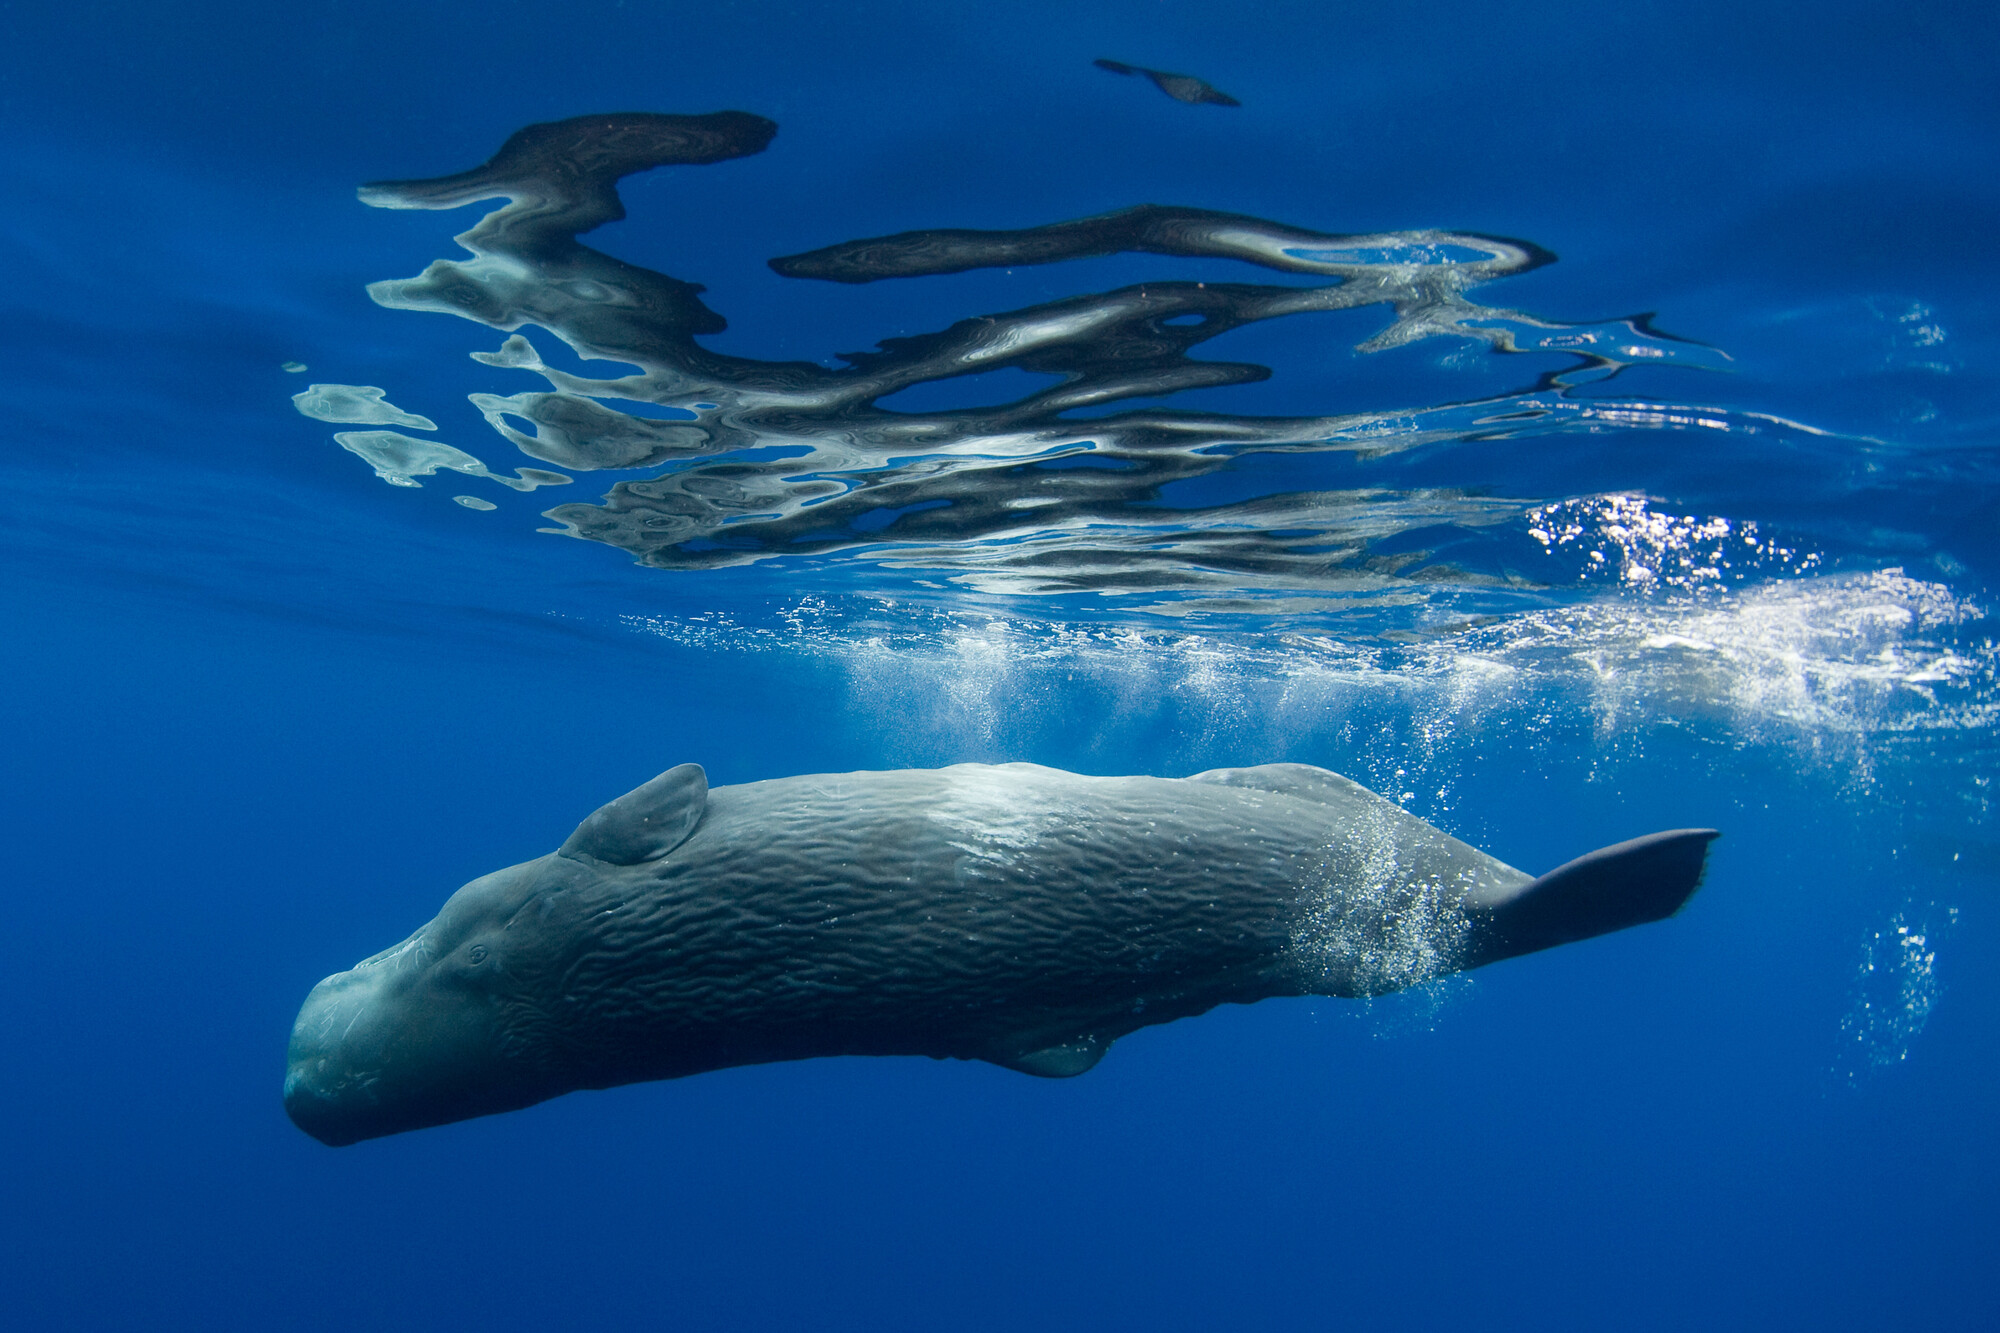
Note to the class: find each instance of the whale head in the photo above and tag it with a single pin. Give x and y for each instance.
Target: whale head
(455, 1021)
(424, 1033)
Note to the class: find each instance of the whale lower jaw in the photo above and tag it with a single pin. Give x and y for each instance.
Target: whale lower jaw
(352, 1117)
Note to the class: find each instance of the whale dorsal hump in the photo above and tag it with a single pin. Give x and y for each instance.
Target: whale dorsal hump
(1303, 781)
(645, 823)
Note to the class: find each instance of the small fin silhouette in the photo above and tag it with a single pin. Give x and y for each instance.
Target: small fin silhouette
(1181, 87)
(1627, 884)
(1063, 1061)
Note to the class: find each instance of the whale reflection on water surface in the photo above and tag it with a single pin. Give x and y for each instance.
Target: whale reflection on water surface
(760, 459)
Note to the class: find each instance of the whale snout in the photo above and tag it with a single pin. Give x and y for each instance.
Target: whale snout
(419, 1034)
(338, 1075)
(388, 1047)
(317, 1113)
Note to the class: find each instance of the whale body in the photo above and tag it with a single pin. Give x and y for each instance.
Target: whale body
(1010, 913)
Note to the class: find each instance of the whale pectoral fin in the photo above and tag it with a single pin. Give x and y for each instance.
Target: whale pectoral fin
(1628, 884)
(1064, 1061)
(645, 823)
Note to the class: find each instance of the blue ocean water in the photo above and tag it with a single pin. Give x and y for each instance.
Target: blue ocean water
(1681, 512)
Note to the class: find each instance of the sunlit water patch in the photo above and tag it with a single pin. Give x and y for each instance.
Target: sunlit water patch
(1825, 662)
(1627, 540)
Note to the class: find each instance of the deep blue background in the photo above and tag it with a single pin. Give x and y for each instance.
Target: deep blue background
(263, 713)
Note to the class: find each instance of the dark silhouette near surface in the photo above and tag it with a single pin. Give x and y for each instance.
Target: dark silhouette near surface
(1181, 87)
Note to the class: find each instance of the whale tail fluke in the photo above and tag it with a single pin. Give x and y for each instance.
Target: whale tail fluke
(1627, 884)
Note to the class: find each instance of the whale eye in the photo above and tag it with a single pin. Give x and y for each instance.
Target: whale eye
(478, 953)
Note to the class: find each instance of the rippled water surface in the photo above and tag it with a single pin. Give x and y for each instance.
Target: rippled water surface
(429, 422)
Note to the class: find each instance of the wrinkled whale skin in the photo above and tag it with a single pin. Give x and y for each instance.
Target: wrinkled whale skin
(1012, 913)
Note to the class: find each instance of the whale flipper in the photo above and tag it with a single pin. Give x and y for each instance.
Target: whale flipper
(1626, 884)
(1063, 1061)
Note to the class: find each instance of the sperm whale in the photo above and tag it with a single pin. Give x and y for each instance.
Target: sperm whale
(1010, 913)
